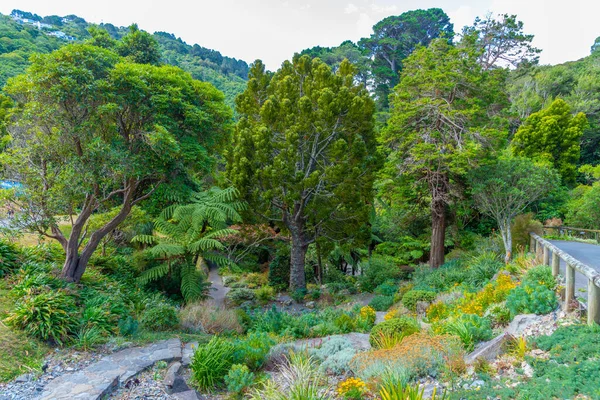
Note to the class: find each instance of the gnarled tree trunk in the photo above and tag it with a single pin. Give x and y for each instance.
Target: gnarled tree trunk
(439, 186)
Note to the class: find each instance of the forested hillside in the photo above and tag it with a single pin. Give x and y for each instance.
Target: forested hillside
(23, 33)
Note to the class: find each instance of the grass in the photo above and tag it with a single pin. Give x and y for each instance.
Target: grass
(19, 354)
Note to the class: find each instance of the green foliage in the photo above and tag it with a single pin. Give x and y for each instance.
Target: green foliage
(133, 126)
(128, 326)
(211, 363)
(345, 323)
(381, 303)
(265, 294)
(397, 327)
(279, 269)
(521, 227)
(334, 354)
(378, 271)
(408, 392)
(395, 38)
(483, 267)
(9, 258)
(240, 295)
(412, 297)
(49, 315)
(187, 234)
(540, 275)
(159, 316)
(531, 297)
(569, 372)
(499, 315)
(387, 288)
(238, 379)
(253, 349)
(505, 188)
(139, 47)
(322, 165)
(471, 329)
(552, 135)
(583, 208)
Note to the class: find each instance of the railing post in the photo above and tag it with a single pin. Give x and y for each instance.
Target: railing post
(555, 264)
(532, 245)
(539, 250)
(546, 259)
(593, 304)
(570, 287)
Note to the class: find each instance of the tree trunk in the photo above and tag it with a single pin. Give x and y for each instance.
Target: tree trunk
(297, 261)
(507, 240)
(438, 233)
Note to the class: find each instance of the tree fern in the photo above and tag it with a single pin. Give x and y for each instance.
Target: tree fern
(183, 233)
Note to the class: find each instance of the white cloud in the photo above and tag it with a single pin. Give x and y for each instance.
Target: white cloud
(364, 25)
(462, 16)
(350, 9)
(383, 9)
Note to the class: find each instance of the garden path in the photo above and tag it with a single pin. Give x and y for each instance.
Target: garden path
(217, 290)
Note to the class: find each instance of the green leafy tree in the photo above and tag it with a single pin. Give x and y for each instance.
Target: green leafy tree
(94, 132)
(583, 208)
(334, 56)
(304, 152)
(500, 42)
(186, 236)
(395, 38)
(552, 135)
(506, 187)
(444, 118)
(139, 46)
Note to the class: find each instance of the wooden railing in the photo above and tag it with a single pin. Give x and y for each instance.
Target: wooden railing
(542, 248)
(590, 234)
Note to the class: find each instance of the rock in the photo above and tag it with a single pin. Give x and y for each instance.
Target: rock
(488, 350)
(171, 374)
(189, 395)
(521, 323)
(527, 369)
(180, 385)
(100, 378)
(188, 352)
(422, 307)
(310, 305)
(477, 383)
(23, 378)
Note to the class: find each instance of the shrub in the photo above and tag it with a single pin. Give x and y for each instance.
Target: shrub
(452, 273)
(381, 303)
(437, 311)
(239, 379)
(49, 315)
(352, 389)
(521, 227)
(128, 326)
(470, 328)
(159, 316)
(256, 280)
(239, 296)
(402, 290)
(531, 298)
(335, 355)
(211, 362)
(345, 323)
(419, 355)
(499, 314)
(9, 258)
(482, 268)
(411, 298)
(366, 318)
(412, 392)
(206, 317)
(541, 275)
(265, 294)
(378, 270)
(88, 337)
(493, 292)
(396, 327)
(388, 288)
(279, 270)
(252, 350)
(299, 295)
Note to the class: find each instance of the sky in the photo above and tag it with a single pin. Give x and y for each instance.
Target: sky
(273, 30)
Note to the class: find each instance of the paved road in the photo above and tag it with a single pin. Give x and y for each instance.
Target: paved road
(586, 253)
(218, 290)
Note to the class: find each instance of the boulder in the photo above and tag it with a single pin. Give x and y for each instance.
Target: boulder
(489, 350)
(521, 322)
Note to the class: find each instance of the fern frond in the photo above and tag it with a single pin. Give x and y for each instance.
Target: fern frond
(144, 239)
(153, 274)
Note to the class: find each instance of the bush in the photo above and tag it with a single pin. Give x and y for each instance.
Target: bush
(279, 270)
(9, 258)
(256, 280)
(252, 350)
(411, 298)
(531, 298)
(378, 270)
(335, 355)
(128, 326)
(541, 275)
(159, 316)
(265, 294)
(397, 327)
(366, 318)
(521, 227)
(452, 273)
(388, 288)
(381, 303)
(239, 296)
(482, 268)
(345, 323)
(499, 314)
(211, 362)
(49, 315)
(299, 295)
(206, 317)
(239, 379)
(471, 329)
